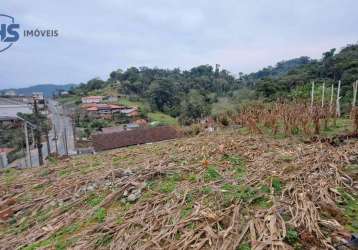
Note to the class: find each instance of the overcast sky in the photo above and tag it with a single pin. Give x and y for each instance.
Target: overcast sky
(99, 36)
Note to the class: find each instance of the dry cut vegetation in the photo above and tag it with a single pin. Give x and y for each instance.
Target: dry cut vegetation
(217, 191)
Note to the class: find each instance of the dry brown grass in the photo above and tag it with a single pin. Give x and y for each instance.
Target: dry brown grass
(216, 191)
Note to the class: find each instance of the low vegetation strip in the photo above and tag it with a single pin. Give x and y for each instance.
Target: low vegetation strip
(217, 191)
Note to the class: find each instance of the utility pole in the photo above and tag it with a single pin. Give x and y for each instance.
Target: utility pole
(32, 137)
(55, 138)
(65, 140)
(28, 152)
(38, 133)
(48, 142)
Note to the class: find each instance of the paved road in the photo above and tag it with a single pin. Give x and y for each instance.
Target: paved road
(62, 127)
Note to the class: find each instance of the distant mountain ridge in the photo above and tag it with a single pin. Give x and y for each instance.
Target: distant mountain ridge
(47, 89)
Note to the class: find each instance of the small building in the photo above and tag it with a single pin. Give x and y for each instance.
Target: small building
(64, 93)
(39, 96)
(92, 99)
(9, 111)
(116, 108)
(10, 93)
(131, 112)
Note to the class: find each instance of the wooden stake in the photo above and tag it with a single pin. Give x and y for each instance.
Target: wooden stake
(355, 89)
(331, 101)
(323, 90)
(312, 94)
(338, 107)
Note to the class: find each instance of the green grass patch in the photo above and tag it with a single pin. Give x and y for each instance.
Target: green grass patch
(104, 240)
(244, 246)
(100, 215)
(235, 160)
(207, 190)
(64, 173)
(232, 192)
(57, 240)
(350, 208)
(212, 174)
(9, 176)
(43, 215)
(169, 184)
(93, 200)
(186, 211)
(192, 178)
(276, 184)
(162, 118)
(126, 102)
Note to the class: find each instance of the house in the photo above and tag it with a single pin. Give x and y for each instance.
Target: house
(10, 108)
(10, 93)
(39, 96)
(106, 141)
(92, 99)
(3, 156)
(101, 108)
(116, 108)
(131, 112)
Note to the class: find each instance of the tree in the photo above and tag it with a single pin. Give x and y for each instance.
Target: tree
(193, 108)
(162, 95)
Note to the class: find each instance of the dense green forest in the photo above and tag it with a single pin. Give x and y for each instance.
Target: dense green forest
(204, 90)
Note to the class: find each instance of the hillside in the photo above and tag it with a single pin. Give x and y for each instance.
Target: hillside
(280, 69)
(225, 190)
(333, 66)
(190, 95)
(47, 89)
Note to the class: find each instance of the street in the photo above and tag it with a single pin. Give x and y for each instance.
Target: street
(61, 129)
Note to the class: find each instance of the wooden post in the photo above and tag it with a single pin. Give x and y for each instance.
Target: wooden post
(312, 94)
(354, 111)
(355, 89)
(338, 107)
(323, 90)
(331, 101)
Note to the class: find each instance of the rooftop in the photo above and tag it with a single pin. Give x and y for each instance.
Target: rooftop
(134, 137)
